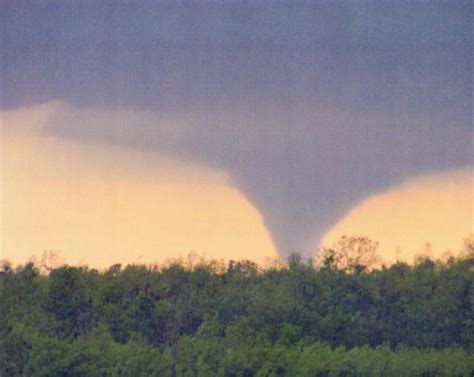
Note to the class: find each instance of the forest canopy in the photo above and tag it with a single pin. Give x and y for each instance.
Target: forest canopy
(336, 317)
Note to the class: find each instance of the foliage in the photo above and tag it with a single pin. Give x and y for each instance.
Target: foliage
(200, 319)
(350, 254)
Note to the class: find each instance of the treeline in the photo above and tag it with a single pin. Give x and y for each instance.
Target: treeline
(297, 319)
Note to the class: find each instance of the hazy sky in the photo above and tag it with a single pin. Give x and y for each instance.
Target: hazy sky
(306, 108)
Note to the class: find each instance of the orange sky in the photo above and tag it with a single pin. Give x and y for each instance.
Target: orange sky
(435, 209)
(100, 205)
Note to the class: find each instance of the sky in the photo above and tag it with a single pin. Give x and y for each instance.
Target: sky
(236, 129)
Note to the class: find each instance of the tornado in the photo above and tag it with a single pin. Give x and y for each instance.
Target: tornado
(301, 175)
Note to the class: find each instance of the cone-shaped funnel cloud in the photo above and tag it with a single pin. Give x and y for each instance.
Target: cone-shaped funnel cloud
(302, 175)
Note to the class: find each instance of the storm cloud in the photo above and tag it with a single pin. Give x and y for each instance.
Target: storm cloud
(309, 107)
